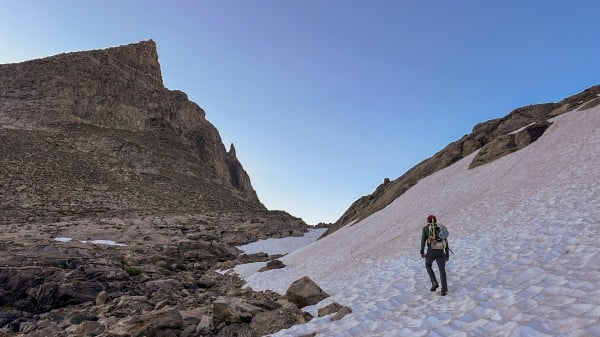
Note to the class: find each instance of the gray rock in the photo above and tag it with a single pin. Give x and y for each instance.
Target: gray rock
(341, 313)
(329, 309)
(206, 284)
(89, 328)
(231, 310)
(189, 331)
(166, 284)
(304, 292)
(168, 318)
(205, 323)
(27, 327)
(274, 264)
(192, 316)
(269, 322)
(236, 330)
(11, 314)
(102, 298)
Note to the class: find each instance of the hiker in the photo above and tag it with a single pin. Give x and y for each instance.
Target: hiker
(437, 249)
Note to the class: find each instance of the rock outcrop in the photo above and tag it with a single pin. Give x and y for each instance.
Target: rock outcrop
(493, 137)
(508, 143)
(102, 122)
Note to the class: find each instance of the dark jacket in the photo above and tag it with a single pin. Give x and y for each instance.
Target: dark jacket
(425, 235)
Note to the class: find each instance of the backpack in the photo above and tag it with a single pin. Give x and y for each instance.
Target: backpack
(438, 234)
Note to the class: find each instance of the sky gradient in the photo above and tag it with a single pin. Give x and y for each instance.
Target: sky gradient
(325, 99)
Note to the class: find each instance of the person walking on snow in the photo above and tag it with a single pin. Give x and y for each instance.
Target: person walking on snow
(438, 250)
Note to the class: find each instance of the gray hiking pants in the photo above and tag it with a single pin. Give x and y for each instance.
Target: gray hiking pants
(440, 258)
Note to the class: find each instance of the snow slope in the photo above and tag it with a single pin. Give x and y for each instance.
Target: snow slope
(526, 233)
(278, 246)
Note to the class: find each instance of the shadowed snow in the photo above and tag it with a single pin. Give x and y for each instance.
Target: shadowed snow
(282, 246)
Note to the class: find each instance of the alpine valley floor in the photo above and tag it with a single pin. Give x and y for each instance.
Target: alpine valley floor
(524, 230)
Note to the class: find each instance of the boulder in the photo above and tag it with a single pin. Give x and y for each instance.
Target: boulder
(148, 323)
(269, 322)
(192, 316)
(206, 284)
(89, 328)
(341, 313)
(168, 318)
(167, 284)
(232, 310)
(102, 298)
(329, 309)
(304, 292)
(236, 330)
(205, 323)
(274, 264)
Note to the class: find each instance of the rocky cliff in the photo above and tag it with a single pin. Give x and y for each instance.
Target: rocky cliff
(494, 139)
(94, 149)
(97, 130)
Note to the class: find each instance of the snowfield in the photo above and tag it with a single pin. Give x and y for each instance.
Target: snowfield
(525, 230)
(278, 246)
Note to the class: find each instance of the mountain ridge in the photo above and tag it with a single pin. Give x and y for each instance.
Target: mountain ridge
(490, 136)
(114, 92)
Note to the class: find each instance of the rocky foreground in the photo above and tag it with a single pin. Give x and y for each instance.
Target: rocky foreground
(93, 146)
(166, 281)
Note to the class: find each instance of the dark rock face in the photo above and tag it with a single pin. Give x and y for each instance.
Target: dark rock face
(509, 143)
(493, 137)
(57, 280)
(103, 117)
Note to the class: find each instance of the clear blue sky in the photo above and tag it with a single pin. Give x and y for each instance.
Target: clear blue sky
(324, 99)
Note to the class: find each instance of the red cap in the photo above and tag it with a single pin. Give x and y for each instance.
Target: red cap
(431, 219)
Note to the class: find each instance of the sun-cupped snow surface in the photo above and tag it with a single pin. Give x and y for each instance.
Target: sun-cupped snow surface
(525, 231)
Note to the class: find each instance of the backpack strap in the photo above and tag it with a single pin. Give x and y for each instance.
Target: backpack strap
(431, 232)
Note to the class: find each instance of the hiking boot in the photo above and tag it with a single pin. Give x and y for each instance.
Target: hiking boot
(434, 287)
(444, 292)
